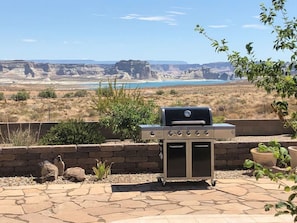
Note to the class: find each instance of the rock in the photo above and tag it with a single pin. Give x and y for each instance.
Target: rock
(137, 69)
(75, 174)
(49, 172)
(125, 69)
(60, 164)
(20, 69)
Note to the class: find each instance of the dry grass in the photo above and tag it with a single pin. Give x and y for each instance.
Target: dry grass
(233, 101)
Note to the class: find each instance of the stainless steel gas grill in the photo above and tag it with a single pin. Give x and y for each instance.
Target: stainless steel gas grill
(186, 136)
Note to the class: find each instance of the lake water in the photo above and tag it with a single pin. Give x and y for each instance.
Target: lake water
(157, 84)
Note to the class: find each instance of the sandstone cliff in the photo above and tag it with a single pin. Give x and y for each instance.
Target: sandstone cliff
(124, 69)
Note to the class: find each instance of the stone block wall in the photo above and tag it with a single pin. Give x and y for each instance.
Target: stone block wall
(127, 157)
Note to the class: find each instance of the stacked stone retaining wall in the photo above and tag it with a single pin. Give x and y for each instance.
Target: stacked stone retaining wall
(127, 157)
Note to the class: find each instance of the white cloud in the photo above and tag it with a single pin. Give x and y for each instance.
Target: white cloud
(29, 40)
(156, 18)
(166, 19)
(254, 26)
(218, 26)
(130, 16)
(175, 13)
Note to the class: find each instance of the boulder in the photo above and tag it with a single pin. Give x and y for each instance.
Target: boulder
(49, 172)
(75, 174)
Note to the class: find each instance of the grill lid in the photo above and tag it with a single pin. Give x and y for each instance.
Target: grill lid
(171, 116)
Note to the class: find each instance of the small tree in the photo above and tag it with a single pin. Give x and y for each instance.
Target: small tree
(123, 110)
(273, 76)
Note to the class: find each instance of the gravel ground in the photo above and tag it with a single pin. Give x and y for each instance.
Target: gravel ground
(117, 178)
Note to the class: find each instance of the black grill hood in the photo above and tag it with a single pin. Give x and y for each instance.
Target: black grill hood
(170, 116)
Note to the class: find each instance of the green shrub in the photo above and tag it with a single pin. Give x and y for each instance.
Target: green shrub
(73, 132)
(47, 93)
(21, 95)
(123, 110)
(126, 117)
(81, 93)
(173, 92)
(160, 92)
(68, 95)
(1, 96)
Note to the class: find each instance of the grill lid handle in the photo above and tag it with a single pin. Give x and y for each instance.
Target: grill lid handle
(192, 122)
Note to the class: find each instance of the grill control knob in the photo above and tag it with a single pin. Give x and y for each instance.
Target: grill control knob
(179, 133)
(197, 133)
(152, 134)
(170, 133)
(188, 133)
(206, 133)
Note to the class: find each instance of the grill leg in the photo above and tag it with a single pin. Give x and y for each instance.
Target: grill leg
(162, 180)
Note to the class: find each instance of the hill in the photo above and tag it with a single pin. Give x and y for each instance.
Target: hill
(89, 70)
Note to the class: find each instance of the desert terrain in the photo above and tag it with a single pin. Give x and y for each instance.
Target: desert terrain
(236, 100)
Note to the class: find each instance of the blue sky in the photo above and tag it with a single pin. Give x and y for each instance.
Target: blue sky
(112, 30)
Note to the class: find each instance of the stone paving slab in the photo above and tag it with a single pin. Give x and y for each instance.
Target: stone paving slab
(210, 219)
(231, 200)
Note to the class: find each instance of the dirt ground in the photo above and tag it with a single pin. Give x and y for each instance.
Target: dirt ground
(238, 100)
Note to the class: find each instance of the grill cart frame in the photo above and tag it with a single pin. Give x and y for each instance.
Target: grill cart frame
(186, 137)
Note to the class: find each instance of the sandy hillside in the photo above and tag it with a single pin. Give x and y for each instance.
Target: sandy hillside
(233, 101)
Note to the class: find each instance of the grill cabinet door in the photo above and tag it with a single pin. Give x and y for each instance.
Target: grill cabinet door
(201, 159)
(176, 159)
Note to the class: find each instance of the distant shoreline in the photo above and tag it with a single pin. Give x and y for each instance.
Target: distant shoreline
(93, 84)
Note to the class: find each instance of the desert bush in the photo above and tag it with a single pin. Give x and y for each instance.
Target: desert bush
(21, 95)
(123, 110)
(1, 96)
(68, 95)
(73, 132)
(81, 93)
(173, 92)
(160, 92)
(47, 93)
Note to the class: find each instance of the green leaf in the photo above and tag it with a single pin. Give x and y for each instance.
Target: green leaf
(287, 189)
(248, 163)
(292, 197)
